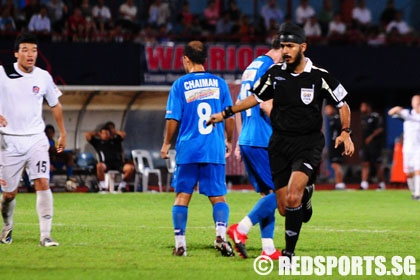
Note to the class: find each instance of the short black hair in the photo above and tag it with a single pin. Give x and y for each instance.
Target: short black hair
(49, 127)
(25, 38)
(275, 41)
(108, 124)
(196, 51)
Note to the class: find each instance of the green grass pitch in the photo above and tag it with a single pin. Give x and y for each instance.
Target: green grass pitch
(130, 235)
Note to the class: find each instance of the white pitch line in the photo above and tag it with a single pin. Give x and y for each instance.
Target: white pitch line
(313, 228)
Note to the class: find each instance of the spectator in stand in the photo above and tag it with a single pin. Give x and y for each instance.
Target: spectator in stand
(234, 11)
(224, 25)
(153, 14)
(304, 12)
(86, 8)
(10, 4)
(102, 16)
(376, 36)
(147, 35)
(7, 23)
(211, 16)
(312, 27)
(185, 15)
(326, 15)
(196, 28)
(388, 14)
(57, 11)
(336, 29)
(28, 11)
(399, 25)
(361, 16)
(159, 13)
(162, 35)
(90, 31)
(116, 34)
(128, 16)
(272, 30)
(271, 11)
(245, 28)
(40, 23)
(76, 25)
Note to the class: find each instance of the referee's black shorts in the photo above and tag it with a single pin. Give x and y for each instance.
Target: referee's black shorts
(295, 153)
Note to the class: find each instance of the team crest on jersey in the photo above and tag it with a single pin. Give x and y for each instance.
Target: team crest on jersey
(35, 89)
(307, 95)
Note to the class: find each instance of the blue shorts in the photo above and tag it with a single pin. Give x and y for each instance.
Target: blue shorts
(211, 178)
(257, 164)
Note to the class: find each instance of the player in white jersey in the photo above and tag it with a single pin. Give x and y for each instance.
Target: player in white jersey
(411, 143)
(23, 88)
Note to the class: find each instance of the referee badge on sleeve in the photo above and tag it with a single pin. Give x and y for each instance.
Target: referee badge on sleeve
(340, 92)
(307, 95)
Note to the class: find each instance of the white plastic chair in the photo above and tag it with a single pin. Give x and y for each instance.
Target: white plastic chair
(110, 181)
(144, 166)
(170, 165)
(110, 175)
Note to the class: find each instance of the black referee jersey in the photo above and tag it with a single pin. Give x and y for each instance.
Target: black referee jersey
(298, 98)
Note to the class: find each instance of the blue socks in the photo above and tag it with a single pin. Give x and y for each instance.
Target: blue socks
(221, 213)
(179, 219)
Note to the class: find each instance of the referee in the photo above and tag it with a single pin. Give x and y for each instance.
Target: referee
(298, 90)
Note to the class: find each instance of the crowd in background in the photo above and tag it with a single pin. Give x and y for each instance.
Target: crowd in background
(159, 21)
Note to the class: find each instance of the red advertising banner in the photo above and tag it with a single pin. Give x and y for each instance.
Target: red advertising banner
(164, 61)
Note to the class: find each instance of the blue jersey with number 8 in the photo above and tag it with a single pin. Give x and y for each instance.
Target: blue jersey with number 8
(193, 98)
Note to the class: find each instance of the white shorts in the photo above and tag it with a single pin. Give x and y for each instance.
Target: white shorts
(411, 161)
(19, 152)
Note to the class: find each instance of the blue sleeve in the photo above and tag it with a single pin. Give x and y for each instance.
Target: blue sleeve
(174, 104)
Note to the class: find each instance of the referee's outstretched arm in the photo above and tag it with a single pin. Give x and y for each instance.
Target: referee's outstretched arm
(229, 111)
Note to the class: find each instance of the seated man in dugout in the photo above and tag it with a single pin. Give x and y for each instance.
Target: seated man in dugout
(110, 157)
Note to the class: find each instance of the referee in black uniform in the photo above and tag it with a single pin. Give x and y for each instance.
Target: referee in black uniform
(298, 90)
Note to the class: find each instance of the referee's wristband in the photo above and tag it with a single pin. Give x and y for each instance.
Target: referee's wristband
(227, 112)
(347, 129)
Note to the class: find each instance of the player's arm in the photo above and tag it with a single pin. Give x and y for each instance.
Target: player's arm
(229, 128)
(3, 121)
(57, 112)
(171, 126)
(395, 111)
(344, 137)
(90, 134)
(229, 111)
(238, 125)
(122, 134)
(374, 134)
(267, 106)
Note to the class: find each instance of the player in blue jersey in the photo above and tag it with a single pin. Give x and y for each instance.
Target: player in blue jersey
(192, 99)
(254, 129)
